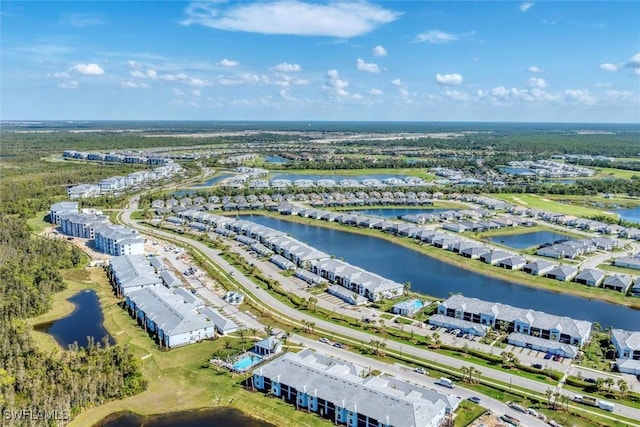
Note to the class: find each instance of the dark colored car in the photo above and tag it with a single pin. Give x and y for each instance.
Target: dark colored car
(536, 366)
(548, 356)
(474, 399)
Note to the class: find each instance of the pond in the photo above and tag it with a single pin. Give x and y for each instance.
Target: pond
(517, 171)
(85, 321)
(430, 276)
(631, 215)
(218, 417)
(527, 240)
(213, 180)
(275, 159)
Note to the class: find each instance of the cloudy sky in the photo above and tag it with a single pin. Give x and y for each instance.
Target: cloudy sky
(576, 61)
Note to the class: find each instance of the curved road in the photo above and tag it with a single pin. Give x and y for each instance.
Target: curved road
(277, 306)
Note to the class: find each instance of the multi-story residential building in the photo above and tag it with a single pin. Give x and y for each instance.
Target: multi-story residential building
(517, 321)
(118, 240)
(83, 190)
(342, 392)
(61, 208)
(81, 224)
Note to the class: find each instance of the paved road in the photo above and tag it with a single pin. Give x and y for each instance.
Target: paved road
(278, 307)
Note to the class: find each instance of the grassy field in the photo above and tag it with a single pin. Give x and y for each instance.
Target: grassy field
(37, 224)
(546, 203)
(615, 173)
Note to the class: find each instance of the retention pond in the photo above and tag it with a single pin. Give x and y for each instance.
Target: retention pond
(433, 277)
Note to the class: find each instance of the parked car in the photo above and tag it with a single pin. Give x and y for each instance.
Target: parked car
(474, 399)
(548, 356)
(324, 340)
(557, 358)
(339, 345)
(420, 370)
(537, 366)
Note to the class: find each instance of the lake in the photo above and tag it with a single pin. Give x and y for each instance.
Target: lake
(398, 212)
(275, 159)
(631, 215)
(433, 277)
(85, 321)
(213, 180)
(527, 240)
(218, 417)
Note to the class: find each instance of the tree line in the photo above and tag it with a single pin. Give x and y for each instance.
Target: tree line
(64, 381)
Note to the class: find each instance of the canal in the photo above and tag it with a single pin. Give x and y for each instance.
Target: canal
(85, 321)
(527, 240)
(433, 277)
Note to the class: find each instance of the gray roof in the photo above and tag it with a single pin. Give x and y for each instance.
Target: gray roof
(132, 271)
(536, 319)
(389, 400)
(590, 275)
(626, 339)
(169, 310)
(223, 325)
(567, 349)
(169, 279)
(441, 319)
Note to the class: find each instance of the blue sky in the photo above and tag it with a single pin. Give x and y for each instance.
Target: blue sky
(576, 61)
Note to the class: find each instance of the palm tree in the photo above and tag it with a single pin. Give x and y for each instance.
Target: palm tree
(549, 393)
(609, 382)
(466, 371)
(313, 303)
(624, 387)
(436, 340)
(556, 397)
(254, 332)
(599, 384)
(269, 330)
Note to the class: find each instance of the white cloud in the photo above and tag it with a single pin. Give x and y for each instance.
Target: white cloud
(196, 92)
(634, 62)
(82, 20)
(608, 67)
(579, 96)
(228, 63)
(334, 86)
(537, 82)
(367, 67)
(197, 82)
(240, 79)
(134, 85)
(379, 51)
(285, 80)
(292, 17)
(448, 79)
(525, 6)
(375, 92)
(288, 68)
(623, 96)
(455, 95)
(436, 37)
(88, 69)
(402, 88)
(535, 69)
(71, 84)
(139, 74)
(62, 75)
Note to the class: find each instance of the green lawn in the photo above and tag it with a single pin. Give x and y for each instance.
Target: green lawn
(37, 224)
(615, 173)
(547, 204)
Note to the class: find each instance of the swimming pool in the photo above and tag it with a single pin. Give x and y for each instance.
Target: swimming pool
(246, 362)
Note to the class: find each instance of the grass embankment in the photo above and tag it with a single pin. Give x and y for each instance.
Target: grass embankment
(517, 277)
(546, 203)
(179, 379)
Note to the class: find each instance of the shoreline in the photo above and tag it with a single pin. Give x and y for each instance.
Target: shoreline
(516, 277)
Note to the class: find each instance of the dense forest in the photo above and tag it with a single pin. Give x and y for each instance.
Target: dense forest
(65, 381)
